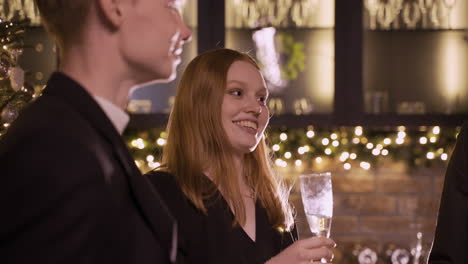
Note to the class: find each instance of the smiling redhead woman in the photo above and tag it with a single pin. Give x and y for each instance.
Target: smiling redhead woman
(217, 177)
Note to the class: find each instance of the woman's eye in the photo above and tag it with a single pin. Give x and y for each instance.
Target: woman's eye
(236, 93)
(262, 99)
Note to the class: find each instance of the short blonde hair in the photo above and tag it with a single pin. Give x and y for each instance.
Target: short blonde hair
(197, 141)
(64, 19)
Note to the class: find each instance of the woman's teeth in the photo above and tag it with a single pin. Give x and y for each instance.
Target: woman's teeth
(248, 124)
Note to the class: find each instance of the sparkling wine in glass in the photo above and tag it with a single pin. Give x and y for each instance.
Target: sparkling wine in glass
(317, 198)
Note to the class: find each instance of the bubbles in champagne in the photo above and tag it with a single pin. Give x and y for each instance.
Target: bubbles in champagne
(319, 225)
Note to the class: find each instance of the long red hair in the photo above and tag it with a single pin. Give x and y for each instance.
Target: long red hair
(197, 142)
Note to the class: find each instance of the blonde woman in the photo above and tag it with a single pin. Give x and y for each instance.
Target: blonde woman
(216, 176)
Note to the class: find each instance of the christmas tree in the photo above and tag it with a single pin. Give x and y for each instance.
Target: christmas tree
(14, 92)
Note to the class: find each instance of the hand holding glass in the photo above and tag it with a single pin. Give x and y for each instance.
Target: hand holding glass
(317, 198)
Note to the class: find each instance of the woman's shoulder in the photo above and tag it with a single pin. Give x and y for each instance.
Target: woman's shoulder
(164, 181)
(163, 178)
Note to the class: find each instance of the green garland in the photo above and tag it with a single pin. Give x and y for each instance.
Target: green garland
(353, 147)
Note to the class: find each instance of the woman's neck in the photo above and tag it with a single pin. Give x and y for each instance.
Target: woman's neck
(238, 162)
(243, 186)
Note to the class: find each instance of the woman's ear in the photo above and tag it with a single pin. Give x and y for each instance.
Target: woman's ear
(112, 11)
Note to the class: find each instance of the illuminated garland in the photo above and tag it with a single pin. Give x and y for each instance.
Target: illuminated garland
(352, 147)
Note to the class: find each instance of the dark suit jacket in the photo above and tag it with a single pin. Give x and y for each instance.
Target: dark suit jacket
(451, 236)
(70, 191)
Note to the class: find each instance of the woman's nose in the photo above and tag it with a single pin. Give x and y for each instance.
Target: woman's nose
(253, 107)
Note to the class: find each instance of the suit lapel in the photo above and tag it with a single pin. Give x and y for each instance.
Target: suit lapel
(148, 200)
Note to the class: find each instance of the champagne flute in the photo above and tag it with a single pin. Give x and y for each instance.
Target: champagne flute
(317, 198)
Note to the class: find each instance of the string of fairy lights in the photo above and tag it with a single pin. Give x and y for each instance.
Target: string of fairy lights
(348, 147)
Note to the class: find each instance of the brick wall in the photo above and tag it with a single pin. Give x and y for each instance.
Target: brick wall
(382, 208)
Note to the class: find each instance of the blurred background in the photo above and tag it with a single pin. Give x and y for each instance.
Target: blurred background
(372, 90)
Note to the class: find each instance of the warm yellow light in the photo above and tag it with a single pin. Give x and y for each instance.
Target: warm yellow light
(452, 68)
(387, 141)
(364, 140)
(399, 141)
(379, 147)
(433, 139)
(150, 158)
(436, 130)
(334, 136)
(401, 134)
(328, 151)
(358, 131)
(353, 156)
(376, 152)
(283, 136)
(325, 141)
(318, 160)
(6, 125)
(347, 166)
(335, 143)
(298, 163)
(306, 148)
(369, 145)
(344, 156)
(365, 165)
(384, 152)
(278, 162)
(344, 141)
(275, 147)
(161, 141)
(444, 156)
(310, 134)
(325, 17)
(321, 71)
(423, 140)
(288, 155)
(154, 165)
(138, 143)
(301, 150)
(401, 128)
(430, 155)
(356, 140)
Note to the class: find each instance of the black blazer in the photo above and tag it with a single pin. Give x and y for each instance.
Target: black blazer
(451, 236)
(70, 191)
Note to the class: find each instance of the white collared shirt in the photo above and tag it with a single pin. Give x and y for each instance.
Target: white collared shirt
(117, 116)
